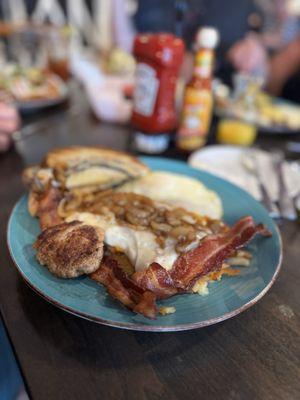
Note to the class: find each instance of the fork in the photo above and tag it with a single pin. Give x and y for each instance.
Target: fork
(286, 204)
(254, 169)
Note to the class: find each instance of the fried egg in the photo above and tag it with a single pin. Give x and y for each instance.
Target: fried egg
(139, 246)
(165, 188)
(177, 191)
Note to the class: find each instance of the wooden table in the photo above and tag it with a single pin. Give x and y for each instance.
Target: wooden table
(252, 356)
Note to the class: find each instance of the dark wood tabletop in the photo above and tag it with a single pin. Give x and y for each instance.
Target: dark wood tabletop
(252, 356)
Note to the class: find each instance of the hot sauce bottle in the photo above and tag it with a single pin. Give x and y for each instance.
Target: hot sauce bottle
(159, 58)
(198, 98)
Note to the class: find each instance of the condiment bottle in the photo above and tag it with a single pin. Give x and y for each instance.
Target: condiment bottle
(198, 97)
(159, 58)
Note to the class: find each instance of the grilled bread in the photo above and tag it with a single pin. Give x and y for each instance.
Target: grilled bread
(75, 172)
(92, 168)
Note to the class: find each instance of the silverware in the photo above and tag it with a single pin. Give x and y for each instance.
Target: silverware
(286, 204)
(251, 163)
(297, 204)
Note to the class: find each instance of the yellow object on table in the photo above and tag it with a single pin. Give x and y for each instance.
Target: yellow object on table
(230, 131)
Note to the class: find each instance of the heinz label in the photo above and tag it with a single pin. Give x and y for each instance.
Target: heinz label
(146, 89)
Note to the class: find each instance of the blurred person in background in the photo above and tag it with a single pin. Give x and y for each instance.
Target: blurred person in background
(249, 29)
(281, 24)
(279, 27)
(284, 72)
(275, 52)
(236, 20)
(281, 37)
(258, 37)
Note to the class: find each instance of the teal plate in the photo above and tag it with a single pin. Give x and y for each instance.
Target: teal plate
(227, 298)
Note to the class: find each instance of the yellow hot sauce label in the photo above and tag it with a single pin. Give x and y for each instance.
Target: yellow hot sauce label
(196, 112)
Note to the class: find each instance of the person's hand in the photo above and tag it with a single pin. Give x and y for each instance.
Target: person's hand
(248, 55)
(283, 66)
(9, 123)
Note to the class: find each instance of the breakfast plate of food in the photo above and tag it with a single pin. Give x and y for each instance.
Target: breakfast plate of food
(31, 88)
(145, 244)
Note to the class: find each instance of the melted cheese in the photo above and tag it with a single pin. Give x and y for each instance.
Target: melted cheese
(139, 246)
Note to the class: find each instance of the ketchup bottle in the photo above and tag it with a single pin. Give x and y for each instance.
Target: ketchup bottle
(159, 58)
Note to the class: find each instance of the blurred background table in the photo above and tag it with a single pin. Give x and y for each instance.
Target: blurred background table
(252, 356)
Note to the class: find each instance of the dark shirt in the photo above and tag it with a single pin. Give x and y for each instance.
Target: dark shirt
(291, 90)
(230, 17)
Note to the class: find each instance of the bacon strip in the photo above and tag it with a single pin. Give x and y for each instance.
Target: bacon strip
(156, 279)
(212, 252)
(139, 291)
(123, 289)
(47, 208)
(205, 258)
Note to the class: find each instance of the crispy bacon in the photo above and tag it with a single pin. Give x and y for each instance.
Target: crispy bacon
(212, 251)
(125, 290)
(146, 305)
(139, 291)
(47, 207)
(194, 264)
(156, 279)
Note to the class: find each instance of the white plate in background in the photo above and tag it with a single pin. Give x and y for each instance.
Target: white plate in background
(227, 163)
